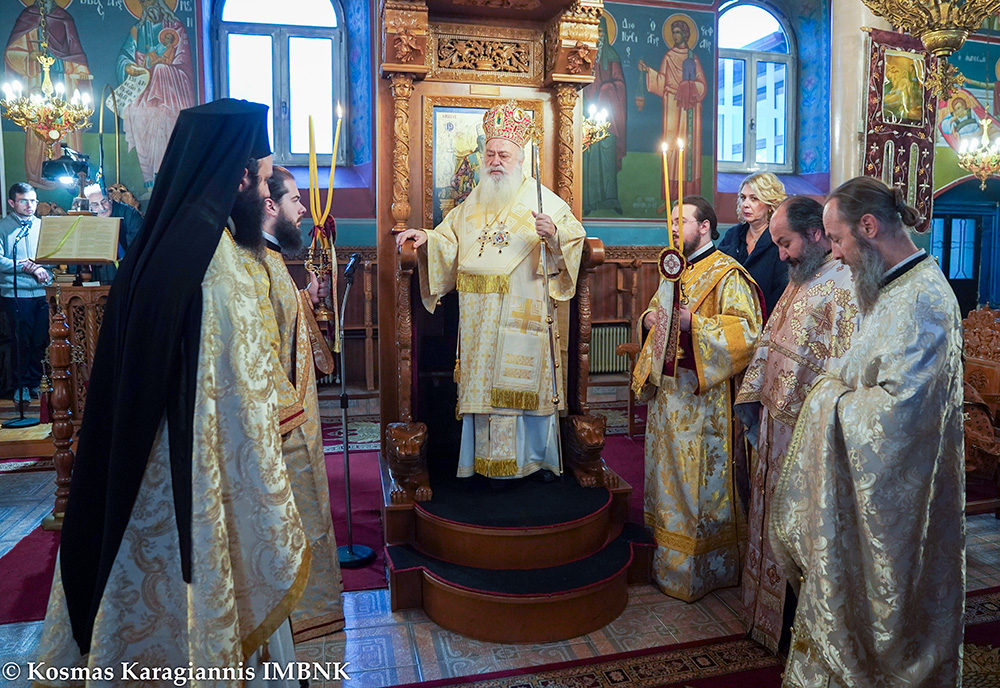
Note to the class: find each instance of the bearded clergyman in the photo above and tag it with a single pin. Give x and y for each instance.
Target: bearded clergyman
(689, 502)
(490, 250)
(809, 332)
(868, 515)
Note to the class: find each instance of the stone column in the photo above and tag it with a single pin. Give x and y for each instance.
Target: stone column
(848, 87)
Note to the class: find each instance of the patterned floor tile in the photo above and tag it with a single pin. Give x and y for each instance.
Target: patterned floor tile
(454, 654)
(19, 644)
(379, 647)
(519, 656)
(365, 608)
(608, 645)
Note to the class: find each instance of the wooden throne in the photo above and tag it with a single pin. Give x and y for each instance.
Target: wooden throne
(442, 61)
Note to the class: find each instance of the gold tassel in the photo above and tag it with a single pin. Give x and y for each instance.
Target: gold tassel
(482, 284)
(495, 468)
(509, 398)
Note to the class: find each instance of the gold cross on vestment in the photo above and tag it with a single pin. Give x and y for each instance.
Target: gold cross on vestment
(524, 314)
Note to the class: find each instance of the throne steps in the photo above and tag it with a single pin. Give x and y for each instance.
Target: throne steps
(536, 605)
(538, 562)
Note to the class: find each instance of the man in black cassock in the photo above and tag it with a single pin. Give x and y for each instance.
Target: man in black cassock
(182, 547)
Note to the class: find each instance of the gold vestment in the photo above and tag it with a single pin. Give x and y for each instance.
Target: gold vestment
(303, 350)
(810, 331)
(493, 259)
(689, 496)
(868, 514)
(250, 556)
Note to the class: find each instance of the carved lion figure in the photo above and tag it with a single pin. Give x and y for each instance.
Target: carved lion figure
(583, 442)
(407, 458)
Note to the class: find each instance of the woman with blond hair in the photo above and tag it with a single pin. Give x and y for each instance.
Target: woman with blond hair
(750, 241)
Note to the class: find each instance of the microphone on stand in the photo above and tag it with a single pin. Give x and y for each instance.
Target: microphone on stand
(351, 556)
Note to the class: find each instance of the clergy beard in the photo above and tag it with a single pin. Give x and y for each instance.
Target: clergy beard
(497, 193)
(287, 233)
(867, 274)
(248, 216)
(689, 247)
(808, 264)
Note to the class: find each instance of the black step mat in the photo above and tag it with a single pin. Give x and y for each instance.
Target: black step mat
(547, 581)
(521, 503)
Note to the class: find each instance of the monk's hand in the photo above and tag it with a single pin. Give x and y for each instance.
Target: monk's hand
(544, 226)
(642, 66)
(685, 319)
(419, 237)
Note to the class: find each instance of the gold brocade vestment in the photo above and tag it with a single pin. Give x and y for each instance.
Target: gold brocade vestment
(493, 259)
(810, 331)
(868, 514)
(689, 495)
(303, 350)
(250, 556)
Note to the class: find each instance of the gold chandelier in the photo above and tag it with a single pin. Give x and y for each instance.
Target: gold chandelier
(981, 157)
(47, 114)
(595, 127)
(941, 25)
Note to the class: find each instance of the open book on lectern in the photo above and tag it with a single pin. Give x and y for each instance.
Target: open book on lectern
(73, 239)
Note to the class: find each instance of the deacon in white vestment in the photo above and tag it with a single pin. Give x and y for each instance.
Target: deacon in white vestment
(809, 332)
(489, 249)
(868, 515)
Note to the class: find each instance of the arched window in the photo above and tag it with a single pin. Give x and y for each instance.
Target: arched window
(291, 56)
(756, 129)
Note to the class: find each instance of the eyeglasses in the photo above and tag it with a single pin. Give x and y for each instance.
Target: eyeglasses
(100, 205)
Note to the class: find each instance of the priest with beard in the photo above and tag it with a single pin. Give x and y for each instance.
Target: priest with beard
(868, 519)
(810, 331)
(303, 351)
(182, 548)
(689, 501)
(489, 249)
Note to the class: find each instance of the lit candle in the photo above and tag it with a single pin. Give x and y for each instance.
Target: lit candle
(17, 87)
(666, 193)
(333, 167)
(60, 88)
(680, 175)
(592, 111)
(7, 93)
(86, 98)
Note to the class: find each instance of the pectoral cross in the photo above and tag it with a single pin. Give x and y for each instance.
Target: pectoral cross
(525, 316)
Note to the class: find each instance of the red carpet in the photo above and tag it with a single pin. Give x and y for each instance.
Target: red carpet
(26, 572)
(626, 458)
(366, 505)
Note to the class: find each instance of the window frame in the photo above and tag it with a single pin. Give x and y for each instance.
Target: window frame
(751, 58)
(280, 86)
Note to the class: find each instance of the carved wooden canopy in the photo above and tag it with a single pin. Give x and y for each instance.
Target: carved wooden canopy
(530, 10)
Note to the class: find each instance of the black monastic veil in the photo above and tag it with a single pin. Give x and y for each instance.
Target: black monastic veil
(145, 364)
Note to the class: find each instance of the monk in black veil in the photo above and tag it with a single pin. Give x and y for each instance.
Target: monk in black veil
(181, 541)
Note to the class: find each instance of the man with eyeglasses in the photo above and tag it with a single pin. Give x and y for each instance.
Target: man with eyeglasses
(131, 225)
(689, 498)
(22, 288)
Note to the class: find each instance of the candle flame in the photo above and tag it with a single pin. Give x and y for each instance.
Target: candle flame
(680, 143)
(340, 111)
(663, 146)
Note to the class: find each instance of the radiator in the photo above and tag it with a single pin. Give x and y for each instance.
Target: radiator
(603, 341)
